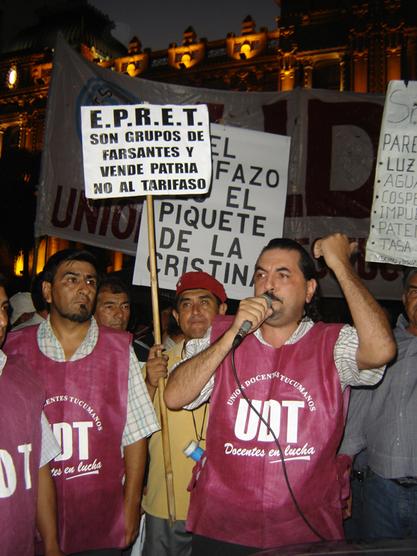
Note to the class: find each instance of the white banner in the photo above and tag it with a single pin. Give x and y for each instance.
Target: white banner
(145, 149)
(331, 171)
(393, 233)
(222, 233)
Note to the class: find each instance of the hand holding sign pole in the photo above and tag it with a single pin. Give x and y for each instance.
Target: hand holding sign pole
(161, 382)
(133, 150)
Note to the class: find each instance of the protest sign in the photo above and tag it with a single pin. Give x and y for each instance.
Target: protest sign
(143, 149)
(331, 170)
(393, 232)
(223, 232)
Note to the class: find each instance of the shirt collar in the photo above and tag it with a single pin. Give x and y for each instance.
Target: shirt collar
(52, 348)
(3, 359)
(302, 329)
(402, 321)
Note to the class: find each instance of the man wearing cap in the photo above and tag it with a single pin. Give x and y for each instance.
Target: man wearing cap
(199, 298)
(39, 305)
(22, 308)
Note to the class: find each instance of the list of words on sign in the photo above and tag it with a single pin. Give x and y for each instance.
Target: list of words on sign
(131, 150)
(393, 234)
(223, 233)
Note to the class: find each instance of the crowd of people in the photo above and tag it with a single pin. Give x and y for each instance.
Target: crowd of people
(276, 404)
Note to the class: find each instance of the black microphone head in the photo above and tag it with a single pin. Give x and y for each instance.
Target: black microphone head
(247, 325)
(244, 329)
(268, 299)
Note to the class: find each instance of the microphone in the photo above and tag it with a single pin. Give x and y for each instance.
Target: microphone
(247, 325)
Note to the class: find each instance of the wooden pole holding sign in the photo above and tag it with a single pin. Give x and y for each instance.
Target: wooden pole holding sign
(161, 383)
(173, 148)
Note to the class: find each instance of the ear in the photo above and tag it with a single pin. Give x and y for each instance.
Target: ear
(222, 309)
(176, 316)
(311, 288)
(46, 291)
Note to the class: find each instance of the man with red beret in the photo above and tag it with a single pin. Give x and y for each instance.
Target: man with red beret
(199, 298)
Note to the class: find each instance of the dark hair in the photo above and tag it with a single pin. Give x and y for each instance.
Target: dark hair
(173, 327)
(3, 281)
(307, 267)
(114, 284)
(408, 274)
(67, 255)
(3, 284)
(36, 293)
(178, 298)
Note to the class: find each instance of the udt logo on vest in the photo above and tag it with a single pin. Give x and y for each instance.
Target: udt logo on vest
(8, 475)
(73, 439)
(248, 425)
(66, 435)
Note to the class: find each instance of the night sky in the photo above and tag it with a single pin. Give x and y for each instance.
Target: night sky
(157, 23)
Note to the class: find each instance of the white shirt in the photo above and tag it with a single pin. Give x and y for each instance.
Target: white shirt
(344, 357)
(141, 420)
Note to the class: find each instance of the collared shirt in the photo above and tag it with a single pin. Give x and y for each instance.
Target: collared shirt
(141, 418)
(344, 358)
(49, 446)
(383, 419)
(36, 319)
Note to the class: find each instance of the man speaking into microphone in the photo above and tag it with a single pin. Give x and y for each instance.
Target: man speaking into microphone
(270, 476)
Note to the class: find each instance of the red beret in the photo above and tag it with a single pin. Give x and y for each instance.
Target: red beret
(201, 281)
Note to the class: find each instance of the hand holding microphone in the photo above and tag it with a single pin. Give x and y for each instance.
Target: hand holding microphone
(247, 324)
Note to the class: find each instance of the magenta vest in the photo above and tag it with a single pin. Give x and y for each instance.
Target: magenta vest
(22, 398)
(240, 494)
(86, 404)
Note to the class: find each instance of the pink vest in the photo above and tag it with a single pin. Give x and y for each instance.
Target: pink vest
(22, 398)
(240, 494)
(86, 403)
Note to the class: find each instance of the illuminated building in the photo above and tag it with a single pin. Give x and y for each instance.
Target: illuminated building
(344, 45)
(25, 74)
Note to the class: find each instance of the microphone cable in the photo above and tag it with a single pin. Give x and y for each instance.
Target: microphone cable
(284, 466)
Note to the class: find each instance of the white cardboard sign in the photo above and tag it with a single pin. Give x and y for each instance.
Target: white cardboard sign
(393, 233)
(222, 233)
(143, 149)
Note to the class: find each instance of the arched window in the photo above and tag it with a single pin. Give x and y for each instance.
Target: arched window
(326, 75)
(11, 139)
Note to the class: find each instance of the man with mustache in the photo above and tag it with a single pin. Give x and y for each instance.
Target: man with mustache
(113, 310)
(113, 303)
(270, 475)
(98, 405)
(199, 298)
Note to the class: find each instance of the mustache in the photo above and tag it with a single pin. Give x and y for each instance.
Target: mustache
(274, 297)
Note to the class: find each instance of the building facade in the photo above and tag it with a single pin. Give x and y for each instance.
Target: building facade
(357, 45)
